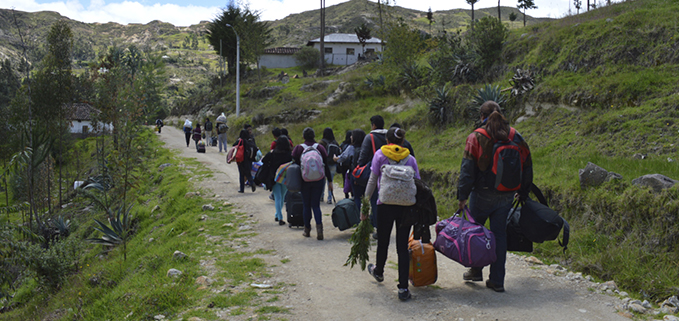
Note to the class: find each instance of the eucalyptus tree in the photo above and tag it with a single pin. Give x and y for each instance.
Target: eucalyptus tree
(472, 2)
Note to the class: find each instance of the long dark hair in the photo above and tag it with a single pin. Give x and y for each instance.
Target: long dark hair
(244, 135)
(328, 135)
(347, 138)
(358, 135)
(396, 135)
(488, 108)
(282, 144)
(497, 126)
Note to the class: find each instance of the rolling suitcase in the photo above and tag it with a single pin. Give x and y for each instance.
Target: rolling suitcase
(201, 146)
(295, 209)
(423, 270)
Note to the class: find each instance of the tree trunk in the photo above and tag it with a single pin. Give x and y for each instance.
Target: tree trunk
(524, 17)
(498, 11)
(472, 19)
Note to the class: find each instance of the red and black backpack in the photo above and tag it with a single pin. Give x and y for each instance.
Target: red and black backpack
(506, 170)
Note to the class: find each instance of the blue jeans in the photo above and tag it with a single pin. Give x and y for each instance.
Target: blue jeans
(279, 191)
(221, 139)
(311, 197)
(494, 206)
(390, 214)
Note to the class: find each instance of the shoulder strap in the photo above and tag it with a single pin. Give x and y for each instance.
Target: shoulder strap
(512, 132)
(538, 194)
(483, 132)
(372, 139)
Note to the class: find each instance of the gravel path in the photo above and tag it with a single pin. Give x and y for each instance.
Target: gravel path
(323, 289)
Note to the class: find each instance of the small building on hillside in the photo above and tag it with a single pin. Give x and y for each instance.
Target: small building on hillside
(345, 49)
(81, 118)
(279, 57)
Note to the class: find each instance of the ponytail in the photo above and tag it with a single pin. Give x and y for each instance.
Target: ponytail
(497, 126)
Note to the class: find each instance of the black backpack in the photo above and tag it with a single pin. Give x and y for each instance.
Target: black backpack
(333, 150)
(251, 149)
(208, 126)
(423, 213)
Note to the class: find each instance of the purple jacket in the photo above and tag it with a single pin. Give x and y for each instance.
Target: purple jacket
(379, 159)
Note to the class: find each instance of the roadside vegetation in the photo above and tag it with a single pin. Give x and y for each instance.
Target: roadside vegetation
(595, 87)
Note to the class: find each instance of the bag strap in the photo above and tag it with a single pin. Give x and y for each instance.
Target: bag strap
(566, 235)
(372, 139)
(538, 193)
(467, 213)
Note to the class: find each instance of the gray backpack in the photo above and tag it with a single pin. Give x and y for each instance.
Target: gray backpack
(397, 183)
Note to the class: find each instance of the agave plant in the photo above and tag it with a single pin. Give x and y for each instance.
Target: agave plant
(62, 227)
(438, 106)
(411, 76)
(375, 82)
(120, 231)
(489, 92)
(522, 82)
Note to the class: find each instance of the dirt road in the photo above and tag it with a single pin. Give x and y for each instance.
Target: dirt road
(324, 289)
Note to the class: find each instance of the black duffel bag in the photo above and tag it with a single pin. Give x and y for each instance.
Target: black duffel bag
(536, 223)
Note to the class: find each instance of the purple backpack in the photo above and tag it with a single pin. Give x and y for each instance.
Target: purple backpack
(465, 242)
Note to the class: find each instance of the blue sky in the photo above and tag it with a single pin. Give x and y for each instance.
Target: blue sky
(185, 12)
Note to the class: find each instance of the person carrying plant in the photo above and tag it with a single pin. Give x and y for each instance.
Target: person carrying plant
(490, 189)
(373, 141)
(395, 198)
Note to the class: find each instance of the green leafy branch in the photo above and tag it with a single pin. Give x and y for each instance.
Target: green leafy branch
(360, 239)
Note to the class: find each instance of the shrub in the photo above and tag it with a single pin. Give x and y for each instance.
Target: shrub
(308, 57)
(487, 40)
(53, 265)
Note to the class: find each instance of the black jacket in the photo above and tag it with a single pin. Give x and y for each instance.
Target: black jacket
(274, 160)
(380, 138)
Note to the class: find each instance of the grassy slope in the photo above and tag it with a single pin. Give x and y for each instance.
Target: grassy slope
(107, 288)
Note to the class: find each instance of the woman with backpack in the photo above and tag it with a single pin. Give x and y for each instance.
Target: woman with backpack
(280, 155)
(344, 161)
(312, 157)
(478, 185)
(332, 148)
(197, 134)
(357, 137)
(392, 154)
(244, 166)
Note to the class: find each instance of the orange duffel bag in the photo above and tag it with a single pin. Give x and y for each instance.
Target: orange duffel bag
(423, 269)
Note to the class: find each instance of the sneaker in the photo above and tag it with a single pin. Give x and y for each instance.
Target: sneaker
(404, 294)
(281, 222)
(495, 287)
(241, 191)
(276, 219)
(329, 201)
(473, 275)
(371, 270)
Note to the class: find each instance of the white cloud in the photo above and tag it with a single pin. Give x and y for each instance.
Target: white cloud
(185, 15)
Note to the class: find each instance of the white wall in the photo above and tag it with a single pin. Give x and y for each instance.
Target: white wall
(277, 61)
(339, 52)
(77, 126)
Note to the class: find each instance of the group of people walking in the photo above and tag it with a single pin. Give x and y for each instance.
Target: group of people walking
(361, 151)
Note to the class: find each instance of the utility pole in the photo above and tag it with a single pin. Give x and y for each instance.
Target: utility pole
(322, 35)
(237, 70)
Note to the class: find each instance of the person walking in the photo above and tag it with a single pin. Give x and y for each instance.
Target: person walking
(245, 166)
(312, 189)
(332, 148)
(373, 142)
(159, 124)
(357, 137)
(390, 214)
(343, 162)
(485, 201)
(208, 131)
(197, 134)
(222, 128)
(281, 154)
(188, 131)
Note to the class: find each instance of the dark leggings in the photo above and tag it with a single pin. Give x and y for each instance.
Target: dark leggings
(188, 138)
(244, 173)
(390, 214)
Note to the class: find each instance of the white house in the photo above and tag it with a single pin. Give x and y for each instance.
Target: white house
(344, 48)
(82, 119)
(279, 57)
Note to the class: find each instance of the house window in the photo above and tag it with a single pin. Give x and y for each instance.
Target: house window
(369, 51)
(350, 51)
(328, 50)
(86, 130)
